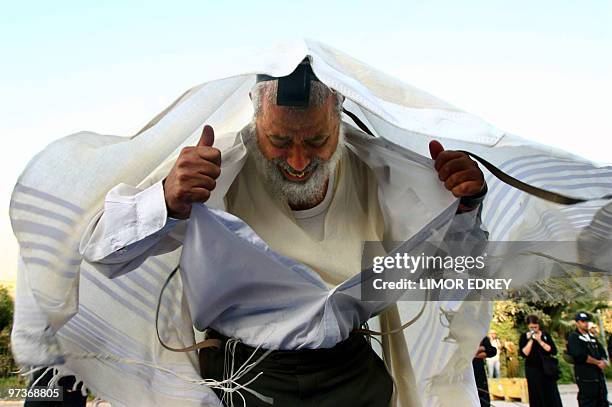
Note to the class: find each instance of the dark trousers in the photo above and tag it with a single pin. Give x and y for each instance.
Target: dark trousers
(349, 374)
(592, 393)
(71, 398)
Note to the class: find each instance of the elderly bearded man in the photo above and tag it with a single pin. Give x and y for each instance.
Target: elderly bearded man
(298, 184)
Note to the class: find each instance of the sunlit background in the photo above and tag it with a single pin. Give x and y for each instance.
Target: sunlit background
(541, 70)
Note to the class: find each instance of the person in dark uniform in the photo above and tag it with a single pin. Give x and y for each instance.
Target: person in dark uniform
(589, 364)
(535, 345)
(485, 350)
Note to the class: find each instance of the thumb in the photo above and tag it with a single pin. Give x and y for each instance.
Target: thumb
(435, 148)
(208, 137)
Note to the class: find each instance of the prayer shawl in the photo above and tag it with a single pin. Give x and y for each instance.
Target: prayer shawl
(102, 330)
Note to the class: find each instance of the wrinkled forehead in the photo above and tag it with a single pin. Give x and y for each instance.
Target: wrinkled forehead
(297, 121)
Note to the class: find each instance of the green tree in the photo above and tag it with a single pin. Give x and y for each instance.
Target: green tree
(7, 364)
(6, 308)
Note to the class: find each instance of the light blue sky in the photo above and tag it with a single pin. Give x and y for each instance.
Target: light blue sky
(541, 70)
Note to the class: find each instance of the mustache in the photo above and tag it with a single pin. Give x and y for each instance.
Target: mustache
(310, 168)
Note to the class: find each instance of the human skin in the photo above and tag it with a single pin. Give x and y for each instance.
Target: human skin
(537, 336)
(296, 136)
(582, 326)
(193, 176)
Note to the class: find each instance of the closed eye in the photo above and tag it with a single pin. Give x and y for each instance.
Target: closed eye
(317, 141)
(279, 141)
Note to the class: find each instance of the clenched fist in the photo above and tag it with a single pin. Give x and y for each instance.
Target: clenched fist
(193, 176)
(458, 171)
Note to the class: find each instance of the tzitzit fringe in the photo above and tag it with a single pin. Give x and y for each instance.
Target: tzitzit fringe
(229, 385)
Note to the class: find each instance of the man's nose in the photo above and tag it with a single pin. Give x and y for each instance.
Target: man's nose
(298, 158)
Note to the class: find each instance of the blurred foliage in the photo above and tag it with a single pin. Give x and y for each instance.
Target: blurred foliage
(6, 308)
(7, 364)
(11, 382)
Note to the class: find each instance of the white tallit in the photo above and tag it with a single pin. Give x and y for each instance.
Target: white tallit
(69, 315)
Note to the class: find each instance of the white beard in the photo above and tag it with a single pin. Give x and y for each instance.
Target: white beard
(293, 193)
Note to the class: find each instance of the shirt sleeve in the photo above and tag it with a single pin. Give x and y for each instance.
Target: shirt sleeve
(133, 223)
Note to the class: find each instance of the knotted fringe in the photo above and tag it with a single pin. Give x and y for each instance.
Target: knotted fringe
(58, 373)
(231, 377)
(229, 385)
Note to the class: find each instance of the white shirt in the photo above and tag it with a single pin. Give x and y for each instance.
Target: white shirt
(313, 220)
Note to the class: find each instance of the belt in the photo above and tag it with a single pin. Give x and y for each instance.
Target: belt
(306, 359)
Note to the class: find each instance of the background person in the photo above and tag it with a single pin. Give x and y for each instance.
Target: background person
(493, 363)
(589, 364)
(593, 329)
(535, 345)
(485, 350)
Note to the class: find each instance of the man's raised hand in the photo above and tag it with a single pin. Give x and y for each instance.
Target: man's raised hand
(457, 170)
(193, 176)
